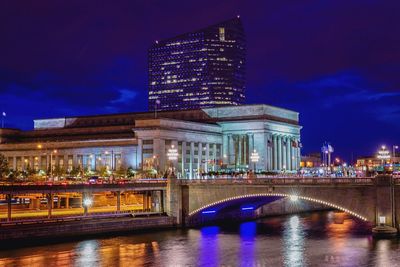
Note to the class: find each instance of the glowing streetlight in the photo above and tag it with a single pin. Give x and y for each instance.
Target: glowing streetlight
(394, 151)
(254, 157)
(294, 198)
(87, 202)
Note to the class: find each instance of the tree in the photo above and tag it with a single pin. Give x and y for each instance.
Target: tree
(76, 171)
(130, 172)
(4, 170)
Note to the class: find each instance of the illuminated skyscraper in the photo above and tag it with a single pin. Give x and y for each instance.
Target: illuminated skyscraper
(200, 69)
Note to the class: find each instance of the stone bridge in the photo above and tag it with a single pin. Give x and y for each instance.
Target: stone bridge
(367, 199)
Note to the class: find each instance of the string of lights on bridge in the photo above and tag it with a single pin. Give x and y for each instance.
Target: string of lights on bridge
(291, 197)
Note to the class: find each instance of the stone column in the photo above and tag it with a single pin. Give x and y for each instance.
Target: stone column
(75, 161)
(191, 159)
(270, 152)
(207, 158)
(231, 155)
(225, 148)
(284, 162)
(240, 151)
(32, 162)
(199, 160)
(14, 164)
(288, 155)
(139, 155)
(250, 137)
(279, 141)
(39, 162)
(66, 162)
(174, 162)
(298, 154)
(275, 152)
(183, 160)
(215, 160)
(159, 151)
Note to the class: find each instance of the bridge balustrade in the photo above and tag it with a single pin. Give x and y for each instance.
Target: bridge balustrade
(284, 181)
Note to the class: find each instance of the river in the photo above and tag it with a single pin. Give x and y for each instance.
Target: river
(311, 239)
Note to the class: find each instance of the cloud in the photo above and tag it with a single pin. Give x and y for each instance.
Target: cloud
(125, 96)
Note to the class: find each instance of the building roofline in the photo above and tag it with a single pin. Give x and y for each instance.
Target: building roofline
(159, 112)
(162, 41)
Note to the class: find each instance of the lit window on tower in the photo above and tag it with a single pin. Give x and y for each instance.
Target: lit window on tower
(222, 34)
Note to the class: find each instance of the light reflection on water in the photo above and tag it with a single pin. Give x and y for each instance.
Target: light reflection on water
(293, 242)
(296, 240)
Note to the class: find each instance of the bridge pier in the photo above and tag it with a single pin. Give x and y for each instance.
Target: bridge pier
(385, 201)
(49, 198)
(8, 198)
(174, 199)
(385, 218)
(118, 201)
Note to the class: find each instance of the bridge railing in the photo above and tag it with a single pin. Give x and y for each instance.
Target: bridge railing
(283, 181)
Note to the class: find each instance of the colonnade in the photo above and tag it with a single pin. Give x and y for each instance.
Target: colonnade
(277, 152)
(284, 152)
(239, 148)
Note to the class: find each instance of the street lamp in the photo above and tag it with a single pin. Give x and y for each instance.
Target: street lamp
(51, 163)
(254, 157)
(394, 151)
(327, 150)
(87, 202)
(40, 146)
(172, 156)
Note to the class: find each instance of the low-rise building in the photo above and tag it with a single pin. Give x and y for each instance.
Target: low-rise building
(205, 140)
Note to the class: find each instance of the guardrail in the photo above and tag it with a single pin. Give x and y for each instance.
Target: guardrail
(283, 181)
(60, 218)
(79, 187)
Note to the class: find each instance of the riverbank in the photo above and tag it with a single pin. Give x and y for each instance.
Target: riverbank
(58, 231)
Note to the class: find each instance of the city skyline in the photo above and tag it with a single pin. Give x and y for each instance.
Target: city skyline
(345, 86)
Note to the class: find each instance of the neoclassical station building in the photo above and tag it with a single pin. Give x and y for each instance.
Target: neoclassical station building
(205, 140)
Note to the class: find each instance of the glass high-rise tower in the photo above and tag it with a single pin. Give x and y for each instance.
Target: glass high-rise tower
(204, 68)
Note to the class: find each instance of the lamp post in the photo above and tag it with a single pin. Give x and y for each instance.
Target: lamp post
(172, 156)
(394, 151)
(254, 157)
(327, 150)
(40, 146)
(51, 163)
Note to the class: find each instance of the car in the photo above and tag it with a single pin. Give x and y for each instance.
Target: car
(93, 179)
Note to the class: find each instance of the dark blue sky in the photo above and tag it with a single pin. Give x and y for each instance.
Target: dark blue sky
(336, 62)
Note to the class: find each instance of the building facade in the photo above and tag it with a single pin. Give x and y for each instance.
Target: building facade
(205, 140)
(200, 69)
(311, 160)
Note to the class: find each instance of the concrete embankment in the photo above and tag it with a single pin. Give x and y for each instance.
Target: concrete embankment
(60, 230)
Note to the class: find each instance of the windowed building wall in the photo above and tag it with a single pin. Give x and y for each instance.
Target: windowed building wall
(205, 140)
(205, 68)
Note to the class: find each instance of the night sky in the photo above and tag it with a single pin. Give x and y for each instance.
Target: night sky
(336, 62)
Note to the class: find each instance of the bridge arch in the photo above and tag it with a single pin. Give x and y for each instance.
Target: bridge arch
(280, 195)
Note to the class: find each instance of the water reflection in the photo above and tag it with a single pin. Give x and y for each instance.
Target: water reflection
(247, 231)
(209, 246)
(293, 242)
(87, 253)
(316, 239)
